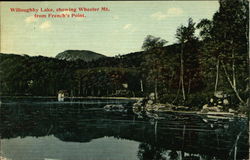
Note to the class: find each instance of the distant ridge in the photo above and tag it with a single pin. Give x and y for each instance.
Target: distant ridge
(72, 55)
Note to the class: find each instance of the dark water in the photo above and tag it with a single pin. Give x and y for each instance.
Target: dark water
(44, 129)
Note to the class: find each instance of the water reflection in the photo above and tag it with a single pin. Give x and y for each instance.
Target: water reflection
(145, 137)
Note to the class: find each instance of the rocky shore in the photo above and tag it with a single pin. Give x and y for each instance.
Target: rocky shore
(219, 104)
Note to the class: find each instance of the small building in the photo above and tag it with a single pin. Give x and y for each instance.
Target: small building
(61, 95)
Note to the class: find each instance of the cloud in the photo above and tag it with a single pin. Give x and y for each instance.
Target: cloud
(115, 17)
(46, 25)
(127, 26)
(30, 19)
(174, 11)
(159, 15)
(171, 12)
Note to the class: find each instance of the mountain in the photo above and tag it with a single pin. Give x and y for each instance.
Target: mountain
(72, 55)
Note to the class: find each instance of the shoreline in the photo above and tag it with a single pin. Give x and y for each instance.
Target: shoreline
(88, 97)
(195, 112)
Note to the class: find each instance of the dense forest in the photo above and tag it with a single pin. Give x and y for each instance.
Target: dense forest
(188, 72)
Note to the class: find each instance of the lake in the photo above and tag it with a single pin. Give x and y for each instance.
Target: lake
(80, 129)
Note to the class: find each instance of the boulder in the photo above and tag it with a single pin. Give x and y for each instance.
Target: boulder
(231, 110)
(152, 96)
(211, 100)
(107, 107)
(150, 102)
(219, 106)
(155, 107)
(205, 106)
(181, 108)
(149, 107)
(210, 109)
(114, 107)
(205, 110)
(214, 109)
(158, 106)
(137, 105)
(219, 94)
(225, 102)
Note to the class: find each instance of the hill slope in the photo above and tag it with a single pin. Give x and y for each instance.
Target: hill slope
(71, 55)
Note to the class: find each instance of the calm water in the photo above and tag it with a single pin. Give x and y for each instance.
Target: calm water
(44, 129)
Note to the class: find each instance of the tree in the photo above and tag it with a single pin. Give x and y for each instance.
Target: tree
(207, 34)
(153, 62)
(184, 34)
(225, 39)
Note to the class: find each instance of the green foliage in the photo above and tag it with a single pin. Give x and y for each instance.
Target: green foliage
(105, 81)
(151, 43)
(184, 34)
(225, 40)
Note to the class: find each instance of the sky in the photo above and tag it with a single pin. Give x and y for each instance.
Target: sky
(120, 30)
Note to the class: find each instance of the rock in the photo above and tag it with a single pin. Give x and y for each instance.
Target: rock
(140, 101)
(151, 96)
(117, 107)
(219, 94)
(231, 110)
(211, 100)
(107, 107)
(214, 109)
(149, 107)
(114, 107)
(158, 106)
(169, 105)
(205, 120)
(205, 110)
(180, 108)
(150, 102)
(210, 109)
(137, 104)
(219, 106)
(205, 106)
(225, 102)
(155, 107)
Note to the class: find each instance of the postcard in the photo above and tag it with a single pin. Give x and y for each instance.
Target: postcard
(124, 80)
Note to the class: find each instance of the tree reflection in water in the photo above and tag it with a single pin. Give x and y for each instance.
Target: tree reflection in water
(159, 139)
(150, 152)
(173, 155)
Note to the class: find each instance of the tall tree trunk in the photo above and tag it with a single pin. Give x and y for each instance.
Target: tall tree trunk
(141, 85)
(178, 92)
(83, 91)
(182, 73)
(217, 75)
(233, 65)
(170, 81)
(231, 84)
(156, 90)
(98, 92)
(189, 85)
(79, 87)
